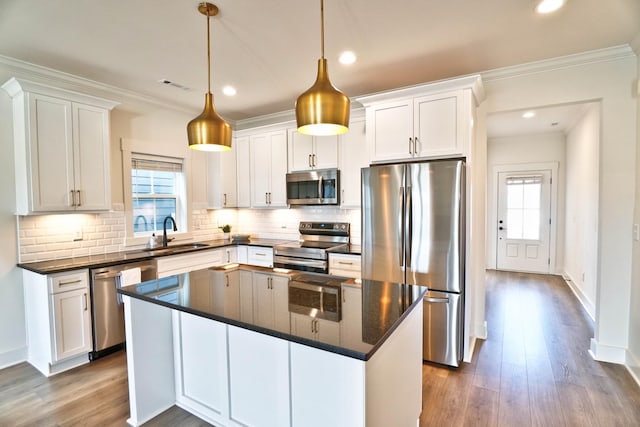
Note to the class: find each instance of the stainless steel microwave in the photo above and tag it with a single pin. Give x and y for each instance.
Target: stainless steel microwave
(316, 187)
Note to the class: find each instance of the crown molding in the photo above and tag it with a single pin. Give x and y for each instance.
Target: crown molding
(51, 77)
(609, 54)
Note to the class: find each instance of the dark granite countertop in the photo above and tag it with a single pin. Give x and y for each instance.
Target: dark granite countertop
(115, 258)
(347, 250)
(382, 307)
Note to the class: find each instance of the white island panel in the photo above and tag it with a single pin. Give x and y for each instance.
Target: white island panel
(327, 389)
(149, 359)
(201, 365)
(258, 379)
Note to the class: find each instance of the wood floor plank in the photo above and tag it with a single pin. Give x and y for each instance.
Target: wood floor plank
(533, 369)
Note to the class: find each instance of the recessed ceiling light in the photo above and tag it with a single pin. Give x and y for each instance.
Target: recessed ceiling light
(347, 57)
(528, 115)
(229, 90)
(548, 6)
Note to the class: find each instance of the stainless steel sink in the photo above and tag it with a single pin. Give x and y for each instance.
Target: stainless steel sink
(175, 248)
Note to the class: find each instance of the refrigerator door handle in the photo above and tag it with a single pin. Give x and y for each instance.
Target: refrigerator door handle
(409, 225)
(401, 225)
(436, 300)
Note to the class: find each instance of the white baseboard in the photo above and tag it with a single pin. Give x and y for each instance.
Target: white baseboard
(633, 366)
(582, 298)
(13, 357)
(607, 353)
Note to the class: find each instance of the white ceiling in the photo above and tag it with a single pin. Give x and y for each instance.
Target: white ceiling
(269, 49)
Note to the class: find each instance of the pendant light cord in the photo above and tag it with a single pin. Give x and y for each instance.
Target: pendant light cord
(208, 54)
(322, 26)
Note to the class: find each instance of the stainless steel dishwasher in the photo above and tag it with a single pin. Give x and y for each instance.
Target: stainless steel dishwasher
(107, 310)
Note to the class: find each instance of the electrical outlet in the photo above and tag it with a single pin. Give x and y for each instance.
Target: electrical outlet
(77, 236)
(636, 232)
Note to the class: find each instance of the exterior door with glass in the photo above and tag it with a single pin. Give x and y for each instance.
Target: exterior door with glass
(524, 221)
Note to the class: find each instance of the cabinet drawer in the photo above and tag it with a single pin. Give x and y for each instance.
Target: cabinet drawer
(262, 257)
(345, 262)
(170, 265)
(63, 282)
(345, 265)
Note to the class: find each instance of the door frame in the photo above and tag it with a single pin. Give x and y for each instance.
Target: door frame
(492, 209)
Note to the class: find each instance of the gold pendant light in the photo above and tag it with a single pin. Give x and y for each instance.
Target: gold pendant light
(209, 131)
(323, 109)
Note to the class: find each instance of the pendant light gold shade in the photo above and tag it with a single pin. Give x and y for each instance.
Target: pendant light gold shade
(322, 109)
(209, 131)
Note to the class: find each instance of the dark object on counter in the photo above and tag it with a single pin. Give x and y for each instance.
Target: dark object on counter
(240, 238)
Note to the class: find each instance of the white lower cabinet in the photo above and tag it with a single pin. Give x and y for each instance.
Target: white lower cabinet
(271, 301)
(72, 323)
(58, 318)
(315, 329)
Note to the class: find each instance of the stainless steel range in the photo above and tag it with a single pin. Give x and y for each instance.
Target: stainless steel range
(310, 253)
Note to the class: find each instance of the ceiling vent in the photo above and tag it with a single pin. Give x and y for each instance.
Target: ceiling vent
(174, 84)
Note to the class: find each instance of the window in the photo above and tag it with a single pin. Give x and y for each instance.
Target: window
(157, 190)
(523, 207)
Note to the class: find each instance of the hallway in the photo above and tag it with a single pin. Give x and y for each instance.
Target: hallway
(534, 368)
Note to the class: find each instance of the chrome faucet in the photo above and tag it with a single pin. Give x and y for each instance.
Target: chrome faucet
(165, 241)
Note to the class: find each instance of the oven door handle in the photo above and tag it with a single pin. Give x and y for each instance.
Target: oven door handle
(305, 262)
(306, 286)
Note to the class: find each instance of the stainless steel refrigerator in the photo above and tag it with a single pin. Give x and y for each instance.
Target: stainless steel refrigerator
(413, 232)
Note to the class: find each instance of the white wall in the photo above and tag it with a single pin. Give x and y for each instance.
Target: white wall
(13, 342)
(523, 149)
(633, 354)
(610, 80)
(581, 230)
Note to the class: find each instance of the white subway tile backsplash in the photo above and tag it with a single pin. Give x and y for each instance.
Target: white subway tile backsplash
(45, 237)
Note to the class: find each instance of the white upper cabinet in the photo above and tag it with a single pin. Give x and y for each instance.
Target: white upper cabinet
(268, 169)
(221, 177)
(243, 171)
(308, 152)
(429, 121)
(354, 155)
(61, 149)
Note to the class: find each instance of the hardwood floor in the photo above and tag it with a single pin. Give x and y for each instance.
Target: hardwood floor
(533, 370)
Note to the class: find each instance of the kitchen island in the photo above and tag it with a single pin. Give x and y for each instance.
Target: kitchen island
(223, 345)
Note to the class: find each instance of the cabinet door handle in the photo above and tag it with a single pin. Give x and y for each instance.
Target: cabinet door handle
(310, 165)
(226, 279)
(72, 282)
(224, 199)
(79, 203)
(269, 198)
(410, 145)
(345, 263)
(72, 195)
(85, 301)
(314, 160)
(266, 198)
(415, 146)
(228, 255)
(344, 296)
